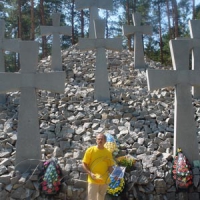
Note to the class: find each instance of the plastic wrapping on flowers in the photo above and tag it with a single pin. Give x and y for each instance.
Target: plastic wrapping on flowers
(116, 187)
(110, 144)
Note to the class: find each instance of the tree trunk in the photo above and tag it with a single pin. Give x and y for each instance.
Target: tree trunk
(42, 22)
(160, 34)
(168, 20)
(175, 16)
(72, 22)
(19, 28)
(82, 23)
(19, 20)
(32, 35)
(107, 24)
(193, 7)
(134, 5)
(128, 22)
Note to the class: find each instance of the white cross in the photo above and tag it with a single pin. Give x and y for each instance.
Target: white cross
(138, 32)
(28, 81)
(182, 78)
(93, 8)
(101, 92)
(56, 30)
(6, 45)
(194, 26)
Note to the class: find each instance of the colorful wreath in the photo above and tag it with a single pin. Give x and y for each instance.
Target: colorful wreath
(116, 187)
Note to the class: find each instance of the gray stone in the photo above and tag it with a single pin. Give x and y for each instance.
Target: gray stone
(8, 188)
(5, 179)
(4, 154)
(141, 150)
(3, 169)
(8, 125)
(160, 186)
(196, 176)
(193, 196)
(23, 178)
(183, 195)
(57, 152)
(4, 194)
(64, 145)
(18, 193)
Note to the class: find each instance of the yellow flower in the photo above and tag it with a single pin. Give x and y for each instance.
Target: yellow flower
(117, 190)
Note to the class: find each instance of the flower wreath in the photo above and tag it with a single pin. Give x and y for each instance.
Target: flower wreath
(116, 187)
(50, 177)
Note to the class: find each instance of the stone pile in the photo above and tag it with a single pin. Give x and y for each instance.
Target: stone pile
(142, 122)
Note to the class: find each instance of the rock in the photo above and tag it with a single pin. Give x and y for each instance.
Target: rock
(3, 169)
(5, 179)
(18, 193)
(160, 186)
(4, 194)
(57, 152)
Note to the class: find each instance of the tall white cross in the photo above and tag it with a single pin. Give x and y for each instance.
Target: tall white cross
(182, 79)
(194, 26)
(5, 45)
(102, 89)
(137, 30)
(93, 8)
(56, 30)
(28, 152)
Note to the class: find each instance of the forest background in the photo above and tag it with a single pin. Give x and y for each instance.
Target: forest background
(169, 19)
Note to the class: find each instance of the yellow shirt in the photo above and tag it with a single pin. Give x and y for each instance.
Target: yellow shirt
(98, 161)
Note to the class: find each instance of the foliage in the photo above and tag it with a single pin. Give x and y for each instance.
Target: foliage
(197, 13)
(127, 161)
(156, 47)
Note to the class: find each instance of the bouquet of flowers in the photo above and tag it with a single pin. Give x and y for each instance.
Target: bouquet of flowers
(110, 144)
(127, 161)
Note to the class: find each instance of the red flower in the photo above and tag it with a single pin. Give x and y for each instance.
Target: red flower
(55, 183)
(56, 189)
(49, 191)
(44, 187)
(44, 183)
